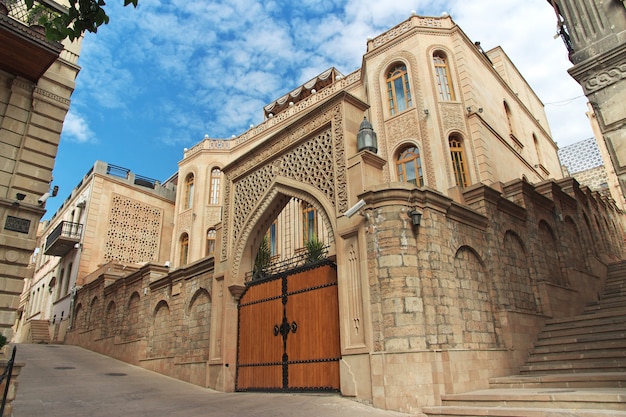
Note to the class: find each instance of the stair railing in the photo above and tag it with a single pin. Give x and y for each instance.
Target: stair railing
(8, 371)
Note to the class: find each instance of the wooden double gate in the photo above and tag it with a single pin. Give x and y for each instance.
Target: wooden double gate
(289, 332)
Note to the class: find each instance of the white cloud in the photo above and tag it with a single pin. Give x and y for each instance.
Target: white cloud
(219, 62)
(76, 128)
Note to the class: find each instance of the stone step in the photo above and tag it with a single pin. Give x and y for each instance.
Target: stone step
(588, 326)
(561, 398)
(583, 365)
(585, 338)
(608, 343)
(572, 380)
(39, 331)
(452, 411)
(596, 314)
(617, 306)
(576, 356)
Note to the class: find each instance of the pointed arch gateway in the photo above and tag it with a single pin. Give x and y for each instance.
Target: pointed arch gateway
(288, 336)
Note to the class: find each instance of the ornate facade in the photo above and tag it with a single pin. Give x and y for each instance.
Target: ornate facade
(594, 34)
(454, 235)
(113, 222)
(36, 82)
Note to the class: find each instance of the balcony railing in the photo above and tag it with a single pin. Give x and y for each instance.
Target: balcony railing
(63, 238)
(24, 49)
(17, 10)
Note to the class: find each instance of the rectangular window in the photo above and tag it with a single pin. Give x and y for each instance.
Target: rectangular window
(309, 223)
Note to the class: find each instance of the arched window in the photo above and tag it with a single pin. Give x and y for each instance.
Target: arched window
(309, 222)
(458, 161)
(184, 249)
(188, 197)
(410, 166)
(66, 283)
(509, 119)
(60, 290)
(214, 193)
(398, 89)
(537, 149)
(442, 76)
(210, 242)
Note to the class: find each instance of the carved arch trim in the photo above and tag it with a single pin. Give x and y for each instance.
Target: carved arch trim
(287, 189)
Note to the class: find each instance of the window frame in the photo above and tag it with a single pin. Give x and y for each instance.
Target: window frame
(211, 237)
(397, 71)
(184, 249)
(188, 193)
(214, 188)
(401, 164)
(443, 78)
(459, 161)
(309, 212)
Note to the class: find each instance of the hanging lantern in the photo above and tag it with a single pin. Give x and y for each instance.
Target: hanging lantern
(366, 139)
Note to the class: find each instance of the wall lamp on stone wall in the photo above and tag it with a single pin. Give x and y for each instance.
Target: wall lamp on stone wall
(366, 139)
(416, 216)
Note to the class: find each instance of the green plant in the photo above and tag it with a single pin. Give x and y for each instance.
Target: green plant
(3, 340)
(262, 260)
(315, 250)
(39, 15)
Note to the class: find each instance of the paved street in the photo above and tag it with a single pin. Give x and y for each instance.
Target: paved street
(67, 381)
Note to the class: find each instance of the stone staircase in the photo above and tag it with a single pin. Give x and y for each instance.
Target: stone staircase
(39, 331)
(576, 368)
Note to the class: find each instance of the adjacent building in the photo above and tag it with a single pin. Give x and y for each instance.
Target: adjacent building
(594, 34)
(584, 162)
(113, 222)
(36, 82)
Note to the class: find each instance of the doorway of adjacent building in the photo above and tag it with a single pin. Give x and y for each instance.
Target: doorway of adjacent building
(289, 332)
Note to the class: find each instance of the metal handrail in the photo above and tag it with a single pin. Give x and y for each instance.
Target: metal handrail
(298, 259)
(8, 371)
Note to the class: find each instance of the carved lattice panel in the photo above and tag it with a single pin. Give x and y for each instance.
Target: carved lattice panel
(133, 231)
(311, 163)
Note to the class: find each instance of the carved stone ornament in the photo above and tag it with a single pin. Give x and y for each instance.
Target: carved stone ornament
(604, 78)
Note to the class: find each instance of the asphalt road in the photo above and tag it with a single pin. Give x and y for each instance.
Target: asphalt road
(68, 381)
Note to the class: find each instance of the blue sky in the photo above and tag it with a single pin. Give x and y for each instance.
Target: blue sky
(158, 78)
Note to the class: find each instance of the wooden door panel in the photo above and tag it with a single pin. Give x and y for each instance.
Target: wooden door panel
(316, 316)
(289, 333)
(314, 376)
(259, 362)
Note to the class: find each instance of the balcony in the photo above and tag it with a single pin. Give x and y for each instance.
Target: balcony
(63, 238)
(24, 49)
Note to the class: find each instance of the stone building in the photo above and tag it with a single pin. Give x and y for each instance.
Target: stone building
(594, 33)
(583, 161)
(449, 233)
(36, 82)
(112, 222)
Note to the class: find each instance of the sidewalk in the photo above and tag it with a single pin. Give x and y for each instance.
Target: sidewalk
(68, 381)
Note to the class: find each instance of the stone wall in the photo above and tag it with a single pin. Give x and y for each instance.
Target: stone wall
(461, 297)
(151, 318)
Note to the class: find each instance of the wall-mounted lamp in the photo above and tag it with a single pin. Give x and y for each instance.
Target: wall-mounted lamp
(366, 139)
(416, 216)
